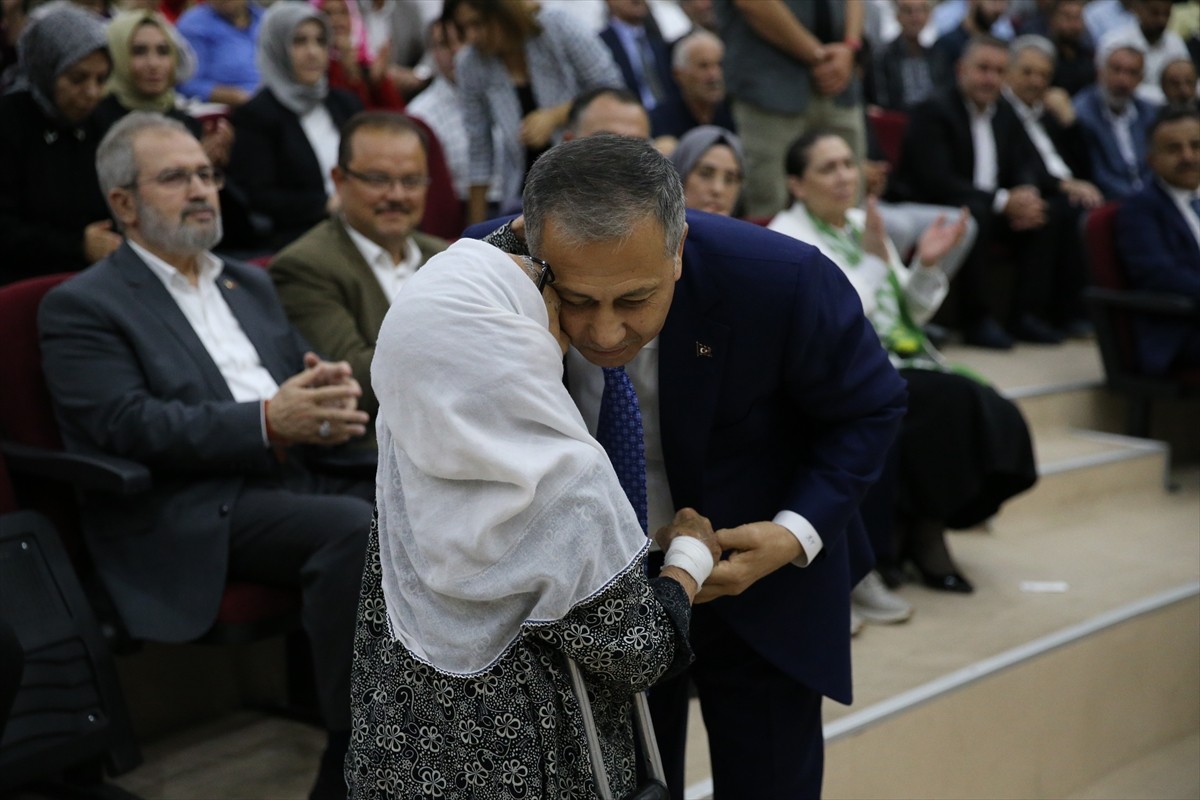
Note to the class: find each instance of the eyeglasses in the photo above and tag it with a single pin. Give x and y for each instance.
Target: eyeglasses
(381, 181)
(177, 180)
(542, 277)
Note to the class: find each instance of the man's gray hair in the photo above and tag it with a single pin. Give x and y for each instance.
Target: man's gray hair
(1031, 41)
(115, 163)
(1119, 39)
(597, 189)
(683, 48)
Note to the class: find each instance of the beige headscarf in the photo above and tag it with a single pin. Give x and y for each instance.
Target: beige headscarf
(120, 82)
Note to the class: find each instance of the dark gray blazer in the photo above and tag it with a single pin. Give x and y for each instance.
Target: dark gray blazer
(129, 377)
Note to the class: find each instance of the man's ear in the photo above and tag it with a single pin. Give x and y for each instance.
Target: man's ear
(123, 207)
(679, 254)
(795, 188)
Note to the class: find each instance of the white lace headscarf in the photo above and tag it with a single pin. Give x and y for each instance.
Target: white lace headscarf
(496, 507)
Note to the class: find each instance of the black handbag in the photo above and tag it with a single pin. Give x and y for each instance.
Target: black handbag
(652, 788)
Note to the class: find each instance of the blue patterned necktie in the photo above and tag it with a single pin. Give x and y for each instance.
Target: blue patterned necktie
(619, 432)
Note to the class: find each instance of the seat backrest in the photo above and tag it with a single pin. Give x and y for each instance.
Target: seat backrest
(26, 415)
(889, 130)
(1114, 328)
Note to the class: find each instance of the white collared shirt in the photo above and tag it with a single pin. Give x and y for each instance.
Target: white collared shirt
(216, 326)
(1183, 201)
(984, 140)
(391, 276)
(587, 388)
(323, 138)
(1031, 118)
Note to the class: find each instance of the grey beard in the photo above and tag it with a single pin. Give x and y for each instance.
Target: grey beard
(179, 238)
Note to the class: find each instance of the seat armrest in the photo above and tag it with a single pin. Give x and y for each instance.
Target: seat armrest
(88, 473)
(1174, 305)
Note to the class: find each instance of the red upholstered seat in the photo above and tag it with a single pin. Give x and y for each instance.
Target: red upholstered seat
(889, 130)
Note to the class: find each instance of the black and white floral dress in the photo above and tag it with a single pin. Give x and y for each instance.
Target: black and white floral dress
(513, 730)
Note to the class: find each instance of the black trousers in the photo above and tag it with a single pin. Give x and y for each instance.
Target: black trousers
(309, 531)
(764, 728)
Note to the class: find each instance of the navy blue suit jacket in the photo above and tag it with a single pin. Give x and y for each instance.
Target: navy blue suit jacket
(774, 393)
(662, 60)
(1160, 254)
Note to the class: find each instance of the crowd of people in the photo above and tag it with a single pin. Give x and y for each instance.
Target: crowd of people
(795, 396)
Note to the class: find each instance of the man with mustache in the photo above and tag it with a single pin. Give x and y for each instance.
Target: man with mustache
(164, 354)
(1158, 237)
(338, 280)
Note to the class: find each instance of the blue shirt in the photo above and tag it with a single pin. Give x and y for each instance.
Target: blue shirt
(224, 52)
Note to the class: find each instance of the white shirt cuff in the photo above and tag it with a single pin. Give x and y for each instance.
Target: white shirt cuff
(805, 533)
(1000, 201)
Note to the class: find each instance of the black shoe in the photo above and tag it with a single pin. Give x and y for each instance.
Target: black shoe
(1031, 329)
(952, 582)
(988, 333)
(893, 574)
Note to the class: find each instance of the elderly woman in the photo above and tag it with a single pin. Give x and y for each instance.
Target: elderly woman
(712, 165)
(53, 217)
(520, 71)
(505, 546)
(963, 449)
(149, 59)
(287, 135)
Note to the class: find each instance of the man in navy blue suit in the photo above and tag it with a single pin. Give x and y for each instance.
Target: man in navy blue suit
(1158, 237)
(767, 403)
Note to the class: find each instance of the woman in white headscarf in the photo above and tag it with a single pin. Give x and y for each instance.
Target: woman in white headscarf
(287, 134)
(505, 545)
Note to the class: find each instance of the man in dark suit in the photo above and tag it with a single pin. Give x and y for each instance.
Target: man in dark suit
(965, 147)
(1158, 237)
(164, 354)
(698, 96)
(639, 51)
(767, 404)
(338, 280)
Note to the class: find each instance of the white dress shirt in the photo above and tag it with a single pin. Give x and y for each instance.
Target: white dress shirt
(391, 275)
(587, 388)
(1183, 201)
(216, 326)
(1122, 126)
(1031, 118)
(987, 159)
(323, 137)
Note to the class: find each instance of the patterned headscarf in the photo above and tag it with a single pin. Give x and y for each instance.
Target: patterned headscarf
(120, 83)
(275, 55)
(58, 36)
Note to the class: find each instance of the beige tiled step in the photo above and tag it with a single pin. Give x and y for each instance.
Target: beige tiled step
(1171, 772)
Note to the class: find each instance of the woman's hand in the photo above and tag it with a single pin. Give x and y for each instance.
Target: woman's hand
(688, 522)
(875, 233)
(217, 141)
(940, 237)
(538, 126)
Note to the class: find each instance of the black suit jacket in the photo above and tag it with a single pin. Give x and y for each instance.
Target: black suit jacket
(274, 165)
(129, 377)
(937, 163)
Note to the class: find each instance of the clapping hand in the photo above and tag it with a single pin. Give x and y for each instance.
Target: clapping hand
(875, 232)
(940, 237)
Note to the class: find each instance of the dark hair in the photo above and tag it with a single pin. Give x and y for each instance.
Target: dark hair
(389, 121)
(796, 161)
(1170, 114)
(581, 102)
(517, 18)
(983, 40)
(597, 189)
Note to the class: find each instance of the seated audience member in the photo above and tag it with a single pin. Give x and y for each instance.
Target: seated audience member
(698, 94)
(352, 64)
(1052, 126)
(337, 281)
(1114, 120)
(223, 34)
(148, 62)
(638, 50)
(52, 214)
(963, 449)
(980, 18)
(1179, 83)
(1160, 45)
(607, 110)
(712, 166)
(905, 72)
(164, 354)
(522, 68)
(1158, 237)
(287, 136)
(1075, 61)
(966, 147)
